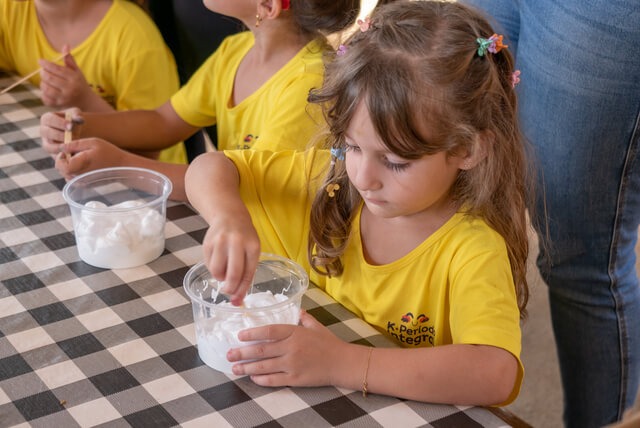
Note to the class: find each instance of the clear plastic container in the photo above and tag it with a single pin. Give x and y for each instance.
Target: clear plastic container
(274, 298)
(118, 215)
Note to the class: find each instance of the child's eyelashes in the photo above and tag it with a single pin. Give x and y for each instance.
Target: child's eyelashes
(397, 167)
(392, 165)
(351, 148)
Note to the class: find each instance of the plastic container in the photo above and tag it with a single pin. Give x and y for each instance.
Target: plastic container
(274, 298)
(118, 215)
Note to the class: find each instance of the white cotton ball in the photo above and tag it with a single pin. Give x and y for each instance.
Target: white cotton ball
(152, 224)
(119, 234)
(117, 239)
(128, 204)
(95, 205)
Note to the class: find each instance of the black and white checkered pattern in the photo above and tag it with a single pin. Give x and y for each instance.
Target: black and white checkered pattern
(83, 346)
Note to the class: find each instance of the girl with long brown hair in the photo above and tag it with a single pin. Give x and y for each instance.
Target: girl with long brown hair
(414, 218)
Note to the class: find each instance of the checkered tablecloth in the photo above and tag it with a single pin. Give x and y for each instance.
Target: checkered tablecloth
(83, 346)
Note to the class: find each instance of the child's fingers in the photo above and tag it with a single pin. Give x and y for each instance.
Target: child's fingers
(270, 333)
(235, 279)
(50, 93)
(69, 61)
(75, 113)
(50, 69)
(51, 132)
(62, 165)
(73, 121)
(74, 157)
(62, 161)
(216, 261)
(308, 321)
(250, 260)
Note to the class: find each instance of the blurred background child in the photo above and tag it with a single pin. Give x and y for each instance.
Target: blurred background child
(114, 56)
(193, 33)
(254, 88)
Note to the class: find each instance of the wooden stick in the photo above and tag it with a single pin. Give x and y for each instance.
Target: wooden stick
(68, 133)
(27, 77)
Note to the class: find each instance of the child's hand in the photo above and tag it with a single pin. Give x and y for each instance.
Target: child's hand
(231, 249)
(303, 355)
(231, 246)
(80, 156)
(53, 126)
(63, 85)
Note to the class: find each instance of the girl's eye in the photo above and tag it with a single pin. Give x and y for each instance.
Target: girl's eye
(351, 148)
(396, 167)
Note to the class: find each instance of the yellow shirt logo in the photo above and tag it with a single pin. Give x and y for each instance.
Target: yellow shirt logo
(412, 330)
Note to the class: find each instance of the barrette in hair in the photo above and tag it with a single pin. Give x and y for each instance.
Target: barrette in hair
(364, 24)
(337, 153)
(332, 189)
(342, 49)
(515, 78)
(285, 4)
(493, 44)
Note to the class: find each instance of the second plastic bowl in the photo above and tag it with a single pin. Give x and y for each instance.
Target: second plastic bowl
(274, 298)
(118, 215)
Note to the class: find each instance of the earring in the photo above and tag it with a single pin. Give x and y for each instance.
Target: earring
(258, 20)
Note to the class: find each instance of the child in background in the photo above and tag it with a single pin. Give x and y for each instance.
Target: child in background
(415, 219)
(254, 87)
(114, 55)
(193, 33)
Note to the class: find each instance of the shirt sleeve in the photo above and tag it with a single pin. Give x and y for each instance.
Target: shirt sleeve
(483, 300)
(278, 189)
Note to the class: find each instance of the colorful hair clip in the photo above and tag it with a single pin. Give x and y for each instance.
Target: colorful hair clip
(364, 24)
(337, 153)
(332, 189)
(342, 49)
(493, 44)
(285, 4)
(515, 78)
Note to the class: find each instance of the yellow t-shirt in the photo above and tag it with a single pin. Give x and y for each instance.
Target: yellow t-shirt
(455, 287)
(124, 60)
(275, 117)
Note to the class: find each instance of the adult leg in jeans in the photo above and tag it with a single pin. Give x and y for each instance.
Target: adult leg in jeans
(579, 105)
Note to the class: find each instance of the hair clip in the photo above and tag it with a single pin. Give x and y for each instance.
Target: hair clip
(285, 4)
(337, 153)
(342, 49)
(493, 44)
(332, 189)
(515, 78)
(364, 24)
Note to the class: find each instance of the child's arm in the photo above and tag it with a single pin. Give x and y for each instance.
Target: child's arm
(231, 245)
(455, 374)
(142, 130)
(310, 355)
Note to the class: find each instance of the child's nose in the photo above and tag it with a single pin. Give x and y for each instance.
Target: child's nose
(366, 177)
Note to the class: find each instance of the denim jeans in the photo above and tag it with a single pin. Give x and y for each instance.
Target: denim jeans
(579, 100)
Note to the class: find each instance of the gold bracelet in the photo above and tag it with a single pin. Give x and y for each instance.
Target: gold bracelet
(366, 372)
